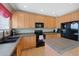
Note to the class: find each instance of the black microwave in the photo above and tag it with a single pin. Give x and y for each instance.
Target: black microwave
(39, 25)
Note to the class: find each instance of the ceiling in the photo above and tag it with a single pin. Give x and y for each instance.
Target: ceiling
(50, 9)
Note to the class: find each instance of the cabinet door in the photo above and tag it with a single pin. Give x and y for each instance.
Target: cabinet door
(32, 20)
(52, 36)
(28, 42)
(47, 22)
(33, 41)
(34, 52)
(25, 43)
(18, 50)
(20, 20)
(20, 47)
(26, 20)
(49, 36)
(14, 21)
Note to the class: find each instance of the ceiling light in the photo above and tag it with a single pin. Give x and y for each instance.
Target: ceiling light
(25, 6)
(42, 10)
(53, 12)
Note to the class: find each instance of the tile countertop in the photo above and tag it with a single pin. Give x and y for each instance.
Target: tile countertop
(7, 49)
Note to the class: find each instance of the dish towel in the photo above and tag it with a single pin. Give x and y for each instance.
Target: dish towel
(41, 37)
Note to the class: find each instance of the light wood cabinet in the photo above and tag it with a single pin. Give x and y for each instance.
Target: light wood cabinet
(28, 42)
(50, 22)
(21, 20)
(40, 51)
(67, 18)
(25, 43)
(18, 20)
(52, 35)
(28, 20)
(32, 21)
(14, 21)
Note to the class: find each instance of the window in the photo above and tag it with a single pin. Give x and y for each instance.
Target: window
(4, 22)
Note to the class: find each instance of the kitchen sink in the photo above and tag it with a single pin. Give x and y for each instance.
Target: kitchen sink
(12, 37)
(9, 39)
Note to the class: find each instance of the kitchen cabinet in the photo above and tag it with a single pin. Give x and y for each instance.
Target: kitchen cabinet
(40, 51)
(67, 18)
(49, 22)
(28, 20)
(14, 21)
(20, 20)
(52, 35)
(26, 43)
(32, 20)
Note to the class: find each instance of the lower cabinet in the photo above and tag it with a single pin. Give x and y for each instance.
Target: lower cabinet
(52, 35)
(40, 51)
(25, 43)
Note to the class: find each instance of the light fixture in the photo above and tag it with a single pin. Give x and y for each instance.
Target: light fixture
(54, 13)
(42, 10)
(25, 6)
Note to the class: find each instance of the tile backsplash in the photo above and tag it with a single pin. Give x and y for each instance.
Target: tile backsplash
(32, 30)
(25, 31)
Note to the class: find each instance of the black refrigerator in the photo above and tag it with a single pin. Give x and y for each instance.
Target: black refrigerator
(70, 30)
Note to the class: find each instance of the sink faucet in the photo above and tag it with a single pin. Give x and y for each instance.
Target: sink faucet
(3, 35)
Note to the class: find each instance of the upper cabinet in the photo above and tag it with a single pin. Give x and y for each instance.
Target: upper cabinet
(14, 20)
(5, 17)
(67, 18)
(28, 20)
(19, 20)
